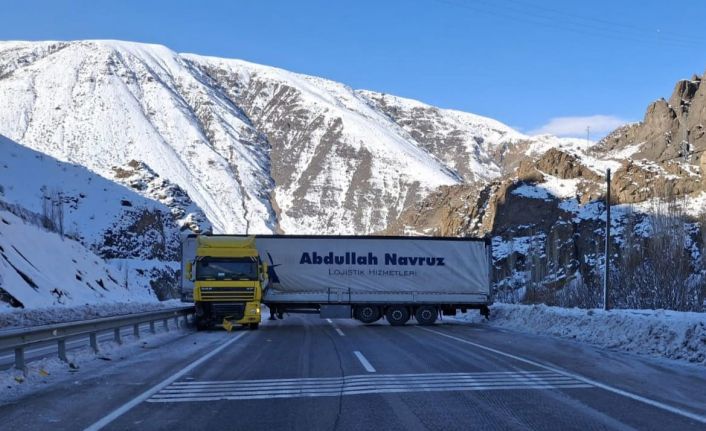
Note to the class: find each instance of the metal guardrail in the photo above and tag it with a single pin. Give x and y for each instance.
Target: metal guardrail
(19, 339)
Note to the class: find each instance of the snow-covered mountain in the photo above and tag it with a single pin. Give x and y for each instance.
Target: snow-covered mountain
(256, 148)
(103, 104)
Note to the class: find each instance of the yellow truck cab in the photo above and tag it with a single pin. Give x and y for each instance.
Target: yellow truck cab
(228, 279)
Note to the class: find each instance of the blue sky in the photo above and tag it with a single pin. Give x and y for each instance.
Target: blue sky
(553, 65)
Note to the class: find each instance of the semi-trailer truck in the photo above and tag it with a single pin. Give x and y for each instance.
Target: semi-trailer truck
(367, 277)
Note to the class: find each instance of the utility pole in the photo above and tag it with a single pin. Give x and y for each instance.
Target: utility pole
(606, 305)
(588, 134)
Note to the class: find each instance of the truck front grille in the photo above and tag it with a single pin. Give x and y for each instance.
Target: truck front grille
(236, 294)
(233, 311)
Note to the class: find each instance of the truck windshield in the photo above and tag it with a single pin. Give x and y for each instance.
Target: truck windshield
(210, 268)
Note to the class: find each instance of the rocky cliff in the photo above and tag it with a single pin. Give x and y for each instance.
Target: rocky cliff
(547, 215)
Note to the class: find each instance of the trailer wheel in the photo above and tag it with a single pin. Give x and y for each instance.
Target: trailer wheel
(426, 315)
(367, 313)
(397, 315)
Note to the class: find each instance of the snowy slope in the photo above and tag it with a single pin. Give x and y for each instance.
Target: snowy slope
(470, 144)
(258, 149)
(110, 219)
(339, 164)
(39, 268)
(103, 103)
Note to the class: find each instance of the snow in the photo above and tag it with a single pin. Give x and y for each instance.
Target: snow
(561, 188)
(518, 244)
(532, 192)
(695, 205)
(103, 103)
(580, 148)
(663, 333)
(19, 318)
(551, 187)
(397, 160)
(39, 268)
(91, 204)
(626, 152)
(543, 143)
(463, 141)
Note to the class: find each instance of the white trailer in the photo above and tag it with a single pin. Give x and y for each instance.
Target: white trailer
(368, 277)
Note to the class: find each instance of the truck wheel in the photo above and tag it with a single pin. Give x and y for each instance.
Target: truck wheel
(426, 315)
(254, 325)
(397, 315)
(367, 313)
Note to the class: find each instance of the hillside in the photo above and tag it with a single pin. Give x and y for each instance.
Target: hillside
(196, 143)
(256, 148)
(39, 268)
(140, 236)
(547, 216)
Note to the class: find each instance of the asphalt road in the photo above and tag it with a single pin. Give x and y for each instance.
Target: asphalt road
(305, 373)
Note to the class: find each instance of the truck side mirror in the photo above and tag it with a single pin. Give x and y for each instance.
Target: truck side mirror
(188, 269)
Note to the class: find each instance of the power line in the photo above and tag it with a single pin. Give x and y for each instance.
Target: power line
(612, 24)
(534, 18)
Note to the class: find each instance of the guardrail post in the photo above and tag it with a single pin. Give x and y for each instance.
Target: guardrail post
(61, 347)
(19, 340)
(20, 358)
(94, 341)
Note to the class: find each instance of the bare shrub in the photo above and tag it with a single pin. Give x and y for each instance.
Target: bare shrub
(53, 210)
(579, 293)
(658, 270)
(535, 291)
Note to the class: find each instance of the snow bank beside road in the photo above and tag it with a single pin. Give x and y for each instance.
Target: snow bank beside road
(668, 334)
(46, 316)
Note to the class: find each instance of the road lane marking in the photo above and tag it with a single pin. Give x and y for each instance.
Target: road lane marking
(366, 364)
(336, 328)
(158, 387)
(580, 378)
(194, 391)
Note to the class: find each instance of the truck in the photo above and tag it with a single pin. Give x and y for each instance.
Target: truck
(224, 277)
(367, 278)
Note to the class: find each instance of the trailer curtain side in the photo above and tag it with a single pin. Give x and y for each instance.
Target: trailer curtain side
(375, 264)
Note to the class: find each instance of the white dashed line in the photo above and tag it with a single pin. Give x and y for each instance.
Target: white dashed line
(369, 368)
(336, 328)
